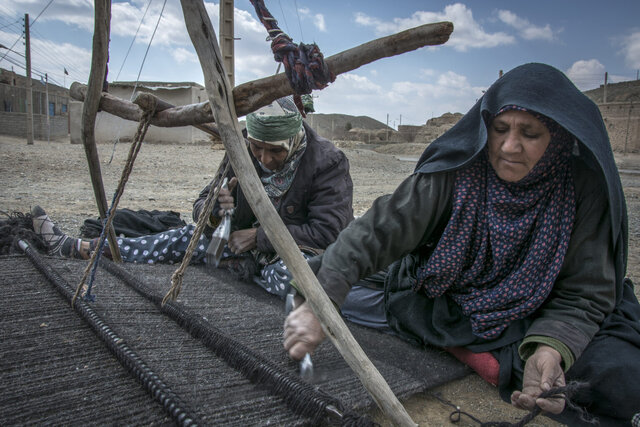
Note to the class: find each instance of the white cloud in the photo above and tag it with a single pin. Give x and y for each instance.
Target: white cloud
(468, 32)
(527, 30)
(587, 74)
(318, 18)
(182, 55)
(631, 50)
(319, 22)
(416, 101)
(78, 13)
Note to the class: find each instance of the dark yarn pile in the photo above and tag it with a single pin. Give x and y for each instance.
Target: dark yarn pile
(18, 226)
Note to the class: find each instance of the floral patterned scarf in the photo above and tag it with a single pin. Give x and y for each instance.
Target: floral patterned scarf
(503, 247)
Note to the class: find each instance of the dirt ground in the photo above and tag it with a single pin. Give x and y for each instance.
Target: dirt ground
(169, 177)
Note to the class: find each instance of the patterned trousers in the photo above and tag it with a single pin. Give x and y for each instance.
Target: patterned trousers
(169, 247)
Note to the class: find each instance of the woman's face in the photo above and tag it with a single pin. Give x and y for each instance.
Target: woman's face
(517, 140)
(272, 157)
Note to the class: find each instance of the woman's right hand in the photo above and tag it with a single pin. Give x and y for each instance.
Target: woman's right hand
(225, 199)
(302, 332)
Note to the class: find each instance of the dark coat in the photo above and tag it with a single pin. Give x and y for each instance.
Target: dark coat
(317, 206)
(400, 226)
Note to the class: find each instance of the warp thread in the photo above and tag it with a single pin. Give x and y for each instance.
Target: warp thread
(171, 402)
(214, 189)
(90, 271)
(302, 398)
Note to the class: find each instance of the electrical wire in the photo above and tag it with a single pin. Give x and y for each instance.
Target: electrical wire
(134, 39)
(41, 12)
(8, 50)
(284, 18)
(150, 41)
(10, 24)
(295, 2)
(139, 72)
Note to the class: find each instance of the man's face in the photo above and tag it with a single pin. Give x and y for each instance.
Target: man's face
(517, 141)
(271, 156)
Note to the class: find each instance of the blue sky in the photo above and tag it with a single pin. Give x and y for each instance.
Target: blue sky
(583, 38)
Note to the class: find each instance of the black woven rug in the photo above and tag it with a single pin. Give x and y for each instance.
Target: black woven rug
(54, 369)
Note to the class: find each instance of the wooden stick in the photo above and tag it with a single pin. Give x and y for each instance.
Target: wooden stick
(167, 115)
(222, 101)
(90, 109)
(252, 95)
(197, 112)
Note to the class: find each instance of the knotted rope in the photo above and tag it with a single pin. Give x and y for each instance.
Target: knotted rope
(90, 271)
(304, 64)
(565, 393)
(177, 276)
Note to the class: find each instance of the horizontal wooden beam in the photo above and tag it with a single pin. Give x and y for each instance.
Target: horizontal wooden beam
(252, 95)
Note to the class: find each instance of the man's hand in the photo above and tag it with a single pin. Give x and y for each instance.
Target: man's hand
(225, 198)
(302, 332)
(243, 240)
(542, 372)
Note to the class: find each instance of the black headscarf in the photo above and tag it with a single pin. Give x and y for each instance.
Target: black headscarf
(545, 90)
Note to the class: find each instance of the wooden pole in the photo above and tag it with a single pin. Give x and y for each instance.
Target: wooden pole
(90, 109)
(250, 96)
(225, 9)
(222, 101)
(167, 115)
(27, 55)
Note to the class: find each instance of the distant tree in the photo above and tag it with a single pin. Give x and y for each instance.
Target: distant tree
(348, 126)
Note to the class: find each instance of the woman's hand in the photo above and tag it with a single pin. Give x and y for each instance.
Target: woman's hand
(542, 372)
(302, 332)
(225, 198)
(243, 240)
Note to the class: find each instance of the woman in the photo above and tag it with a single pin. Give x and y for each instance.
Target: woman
(307, 180)
(508, 241)
(305, 176)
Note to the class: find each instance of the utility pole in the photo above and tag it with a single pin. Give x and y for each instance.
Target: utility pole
(46, 89)
(387, 127)
(226, 38)
(29, 83)
(604, 91)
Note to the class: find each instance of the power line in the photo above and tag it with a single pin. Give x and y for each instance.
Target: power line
(10, 24)
(45, 8)
(295, 2)
(55, 59)
(134, 39)
(284, 17)
(150, 41)
(14, 43)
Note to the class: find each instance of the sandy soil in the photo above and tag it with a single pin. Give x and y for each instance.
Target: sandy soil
(169, 177)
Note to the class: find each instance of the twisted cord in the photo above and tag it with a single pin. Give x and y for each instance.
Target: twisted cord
(90, 271)
(304, 64)
(565, 393)
(177, 276)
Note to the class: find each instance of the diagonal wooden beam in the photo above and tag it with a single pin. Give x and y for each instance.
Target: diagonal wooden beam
(222, 102)
(252, 95)
(90, 109)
